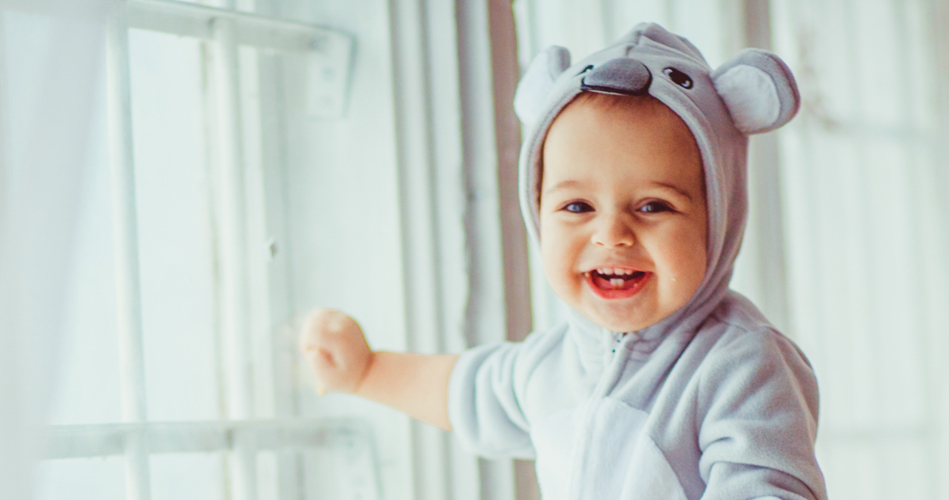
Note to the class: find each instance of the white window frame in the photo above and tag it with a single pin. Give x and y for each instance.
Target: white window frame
(457, 142)
(136, 438)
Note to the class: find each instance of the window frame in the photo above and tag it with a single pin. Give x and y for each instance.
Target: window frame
(453, 70)
(135, 437)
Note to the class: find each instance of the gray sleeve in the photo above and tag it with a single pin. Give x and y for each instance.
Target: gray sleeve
(484, 402)
(758, 405)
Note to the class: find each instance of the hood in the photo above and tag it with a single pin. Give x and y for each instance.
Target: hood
(753, 93)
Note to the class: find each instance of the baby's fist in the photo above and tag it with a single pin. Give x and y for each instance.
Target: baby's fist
(336, 350)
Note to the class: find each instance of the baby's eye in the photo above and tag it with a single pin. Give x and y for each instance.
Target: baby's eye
(578, 207)
(655, 207)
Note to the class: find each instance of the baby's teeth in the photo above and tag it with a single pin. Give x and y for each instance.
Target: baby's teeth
(616, 281)
(614, 271)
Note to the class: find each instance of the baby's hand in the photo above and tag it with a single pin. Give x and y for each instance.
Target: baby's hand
(336, 350)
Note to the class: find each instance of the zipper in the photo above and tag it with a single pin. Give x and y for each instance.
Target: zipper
(610, 377)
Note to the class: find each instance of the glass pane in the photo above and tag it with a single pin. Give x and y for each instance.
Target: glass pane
(338, 473)
(175, 227)
(81, 479)
(188, 476)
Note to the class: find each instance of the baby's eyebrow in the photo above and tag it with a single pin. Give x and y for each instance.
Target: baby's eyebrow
(562, 185)
(572, 183)
(674, 188)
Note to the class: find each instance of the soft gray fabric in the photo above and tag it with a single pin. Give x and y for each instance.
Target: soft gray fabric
(537, 81)
(741, 96)
(623, 76)
(710, 402)
(725, 412)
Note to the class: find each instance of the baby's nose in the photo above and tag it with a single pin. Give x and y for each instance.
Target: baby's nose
(613, 232)
(623, 76)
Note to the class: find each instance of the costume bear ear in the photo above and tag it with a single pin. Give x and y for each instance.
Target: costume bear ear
(535, 85)
(759, 91)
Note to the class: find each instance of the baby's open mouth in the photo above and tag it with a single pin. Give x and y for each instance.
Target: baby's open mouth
(615, 283)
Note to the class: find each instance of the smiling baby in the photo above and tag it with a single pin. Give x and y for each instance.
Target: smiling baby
(662, 383)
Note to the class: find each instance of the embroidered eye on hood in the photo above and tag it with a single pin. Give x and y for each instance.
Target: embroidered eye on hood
(753, 93)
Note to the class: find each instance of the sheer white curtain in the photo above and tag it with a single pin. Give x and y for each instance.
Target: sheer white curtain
(847, 247)
(50, 60)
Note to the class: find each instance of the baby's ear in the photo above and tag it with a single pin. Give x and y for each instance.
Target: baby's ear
(536, 83)
(759, 90)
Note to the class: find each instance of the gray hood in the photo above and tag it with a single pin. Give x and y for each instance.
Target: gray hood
(753, 93)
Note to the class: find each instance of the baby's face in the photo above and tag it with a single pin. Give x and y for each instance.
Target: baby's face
(622, 211)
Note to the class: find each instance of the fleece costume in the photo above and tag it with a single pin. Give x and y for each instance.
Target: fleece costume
(711, 402)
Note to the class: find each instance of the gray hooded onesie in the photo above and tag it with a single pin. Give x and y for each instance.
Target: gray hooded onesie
(711, 402)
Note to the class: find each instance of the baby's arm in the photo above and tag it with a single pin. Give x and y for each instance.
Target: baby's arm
(334, 346)
(758, 398)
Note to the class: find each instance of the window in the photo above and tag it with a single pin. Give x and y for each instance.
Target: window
(190, 398)
(250, 162)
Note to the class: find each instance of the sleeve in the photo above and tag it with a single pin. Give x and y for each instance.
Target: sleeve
(485, 403)
(758, 407)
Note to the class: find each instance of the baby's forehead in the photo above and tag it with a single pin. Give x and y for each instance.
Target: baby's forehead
(599, 139)
(620, 122)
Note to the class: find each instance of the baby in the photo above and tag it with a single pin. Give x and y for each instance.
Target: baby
(662, 383)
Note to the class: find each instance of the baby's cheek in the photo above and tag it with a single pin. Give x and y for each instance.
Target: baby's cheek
(558, 261)
(554, 263)
(694, 271)
(686, 263)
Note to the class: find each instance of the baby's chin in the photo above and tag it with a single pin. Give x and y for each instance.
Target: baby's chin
(617, 318)
(636, 313)
(617, 321)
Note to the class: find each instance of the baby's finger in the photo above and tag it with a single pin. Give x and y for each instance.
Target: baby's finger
(323, 368)
(326, 359)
